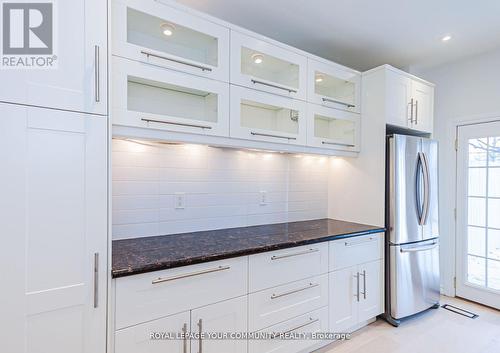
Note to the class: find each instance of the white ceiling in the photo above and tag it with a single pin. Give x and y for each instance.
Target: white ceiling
(366, 33)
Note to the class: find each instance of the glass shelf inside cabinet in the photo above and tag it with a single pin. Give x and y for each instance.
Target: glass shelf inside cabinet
(338, 130)
(269, 69)
(170, 38)
(256, 115)
(170, 101)
(334, 89)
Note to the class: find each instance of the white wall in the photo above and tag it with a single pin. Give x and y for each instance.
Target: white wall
(222, 188)
(466, 90)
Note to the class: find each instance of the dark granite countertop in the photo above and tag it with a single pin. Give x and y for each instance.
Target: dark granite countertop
(140, 255)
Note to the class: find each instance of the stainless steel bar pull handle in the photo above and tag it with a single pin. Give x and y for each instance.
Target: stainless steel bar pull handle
(190, 274)
(175, 123)
(364, 284)
(353, 243)
(308, 251)
(310, 285)
(416, 112)
(420, 175)
(290, 90)
(275, 136)
(348, 105)
(200, 340)
(427, 186)
(338, 144)
(411, 111)
(96, 280)
(201, 67)
(97, 73)
(357, 286)
(184, 340)
(419, 248)
(311, 321)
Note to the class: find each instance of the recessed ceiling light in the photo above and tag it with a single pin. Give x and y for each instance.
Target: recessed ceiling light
(446, 38)
(319, 78)
(257, 58)
(167, 28)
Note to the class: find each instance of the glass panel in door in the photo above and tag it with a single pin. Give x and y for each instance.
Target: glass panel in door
(255, 115)
(334, 89)
(155, 33)
(340, 131)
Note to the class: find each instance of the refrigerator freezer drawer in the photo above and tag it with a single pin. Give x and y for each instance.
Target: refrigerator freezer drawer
(414, 277)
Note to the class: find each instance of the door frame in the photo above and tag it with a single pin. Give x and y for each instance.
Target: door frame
(469, 291)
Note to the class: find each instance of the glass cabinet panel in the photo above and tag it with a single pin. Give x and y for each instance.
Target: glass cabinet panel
(269, 117)
(334, 89)
(339, 130)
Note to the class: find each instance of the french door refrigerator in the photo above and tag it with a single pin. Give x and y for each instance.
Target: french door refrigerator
(412, 239)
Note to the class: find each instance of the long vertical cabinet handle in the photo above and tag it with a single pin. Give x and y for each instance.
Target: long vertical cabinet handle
(416, 112)
(184, 343)
(419, 202)
(200, 341)
(364, 284)
(411, 111)
(357, 286)
(97, 73)
(96, 280)
(426, 204)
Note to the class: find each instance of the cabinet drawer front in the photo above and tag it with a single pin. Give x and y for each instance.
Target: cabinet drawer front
(356, 250)
(278, 304)
(315, 321)
(333, 86)
(275, 268)
(155, 33)
(138, 338)
(156, 98)
(266, 67)
(267, 117)
(153, 295)
(333, 128)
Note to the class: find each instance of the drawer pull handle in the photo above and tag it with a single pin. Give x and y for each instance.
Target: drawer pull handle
(310, 285)
(310, 322)
(308, 251)
(200, 331)
(273, 86)
(354, 243)
(191, 274)
(275, 136)
(176, 123)
(348, 105)
(338, 144)
(201, 67)
(184, 342)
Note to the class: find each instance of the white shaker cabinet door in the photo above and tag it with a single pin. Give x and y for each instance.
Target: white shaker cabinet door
(224, 317)
(344, 299)
(79, 81)
(53, 229)
(371, 301)
(399, 100)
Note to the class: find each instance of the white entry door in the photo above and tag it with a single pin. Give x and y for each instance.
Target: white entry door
(478, 213)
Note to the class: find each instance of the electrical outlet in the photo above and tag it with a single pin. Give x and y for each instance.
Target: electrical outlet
(180, 200)
(263, 198)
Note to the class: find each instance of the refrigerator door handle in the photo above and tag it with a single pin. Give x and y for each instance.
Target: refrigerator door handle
(419, 248)
(418, 176)
(426, 204)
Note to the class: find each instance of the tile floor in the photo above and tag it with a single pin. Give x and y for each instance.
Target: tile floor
(435, 331)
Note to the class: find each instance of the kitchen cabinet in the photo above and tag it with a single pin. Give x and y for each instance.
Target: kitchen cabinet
(264, 66)
(225, 317)
(78, 82)
(267, 117)
(54, 225)
(156, 98)
(333, 86)
(333, 128)
(154, 33)
(357, 292)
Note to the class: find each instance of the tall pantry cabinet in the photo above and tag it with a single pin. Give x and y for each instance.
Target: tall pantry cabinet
(53, 187)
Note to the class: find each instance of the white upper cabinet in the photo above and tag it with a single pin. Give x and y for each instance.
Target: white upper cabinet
(260, 65)
(266, 117)
(152, 97)
(333, 86)
(333, 128)
(79, 81)
(423, 94)
(148, 31)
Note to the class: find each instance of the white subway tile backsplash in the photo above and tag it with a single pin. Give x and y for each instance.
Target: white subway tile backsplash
(222, 188)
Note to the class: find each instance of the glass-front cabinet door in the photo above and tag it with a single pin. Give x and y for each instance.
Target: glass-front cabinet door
(264, 117)
(334, 86)
(151, 97)
(333, 128)
(148, 31)
(266, 67)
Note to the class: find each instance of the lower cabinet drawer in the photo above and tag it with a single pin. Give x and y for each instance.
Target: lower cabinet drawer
(275, 268)
(315, 321)
(278, 304)
(153, 295)
(356, 250)
(146, 337)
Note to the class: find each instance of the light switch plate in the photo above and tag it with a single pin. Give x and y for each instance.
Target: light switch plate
(180, 200)
(263, 198)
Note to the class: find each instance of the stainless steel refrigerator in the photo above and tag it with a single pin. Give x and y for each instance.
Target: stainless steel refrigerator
(412, 239)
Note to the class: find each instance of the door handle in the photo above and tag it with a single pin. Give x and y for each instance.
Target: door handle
(184, 342)
(348, 105)
(411, 111)
(200, 341)
(420, 175)
(419, 248)
(175, 123)
(289, 90)
(201, 67)
(427, 186)
(275, 136)
(357, 286)
(97, 73)
(96, 280)
(190, 274)
(364, 284)
(416, 112)
(310, 285)
(338, 144)
(308, 251)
